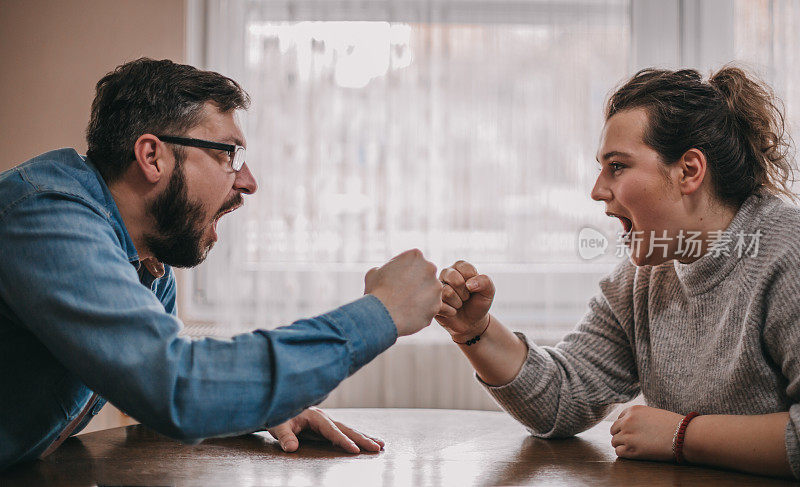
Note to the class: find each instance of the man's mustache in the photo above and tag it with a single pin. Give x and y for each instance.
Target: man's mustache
(230, 205)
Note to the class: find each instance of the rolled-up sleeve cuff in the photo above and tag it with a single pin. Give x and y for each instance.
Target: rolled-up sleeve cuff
(792, 443)
(369, 328)
(528, 380)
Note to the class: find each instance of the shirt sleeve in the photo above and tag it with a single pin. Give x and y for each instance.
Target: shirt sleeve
(563, 390)
(782, 341)
(65, 275)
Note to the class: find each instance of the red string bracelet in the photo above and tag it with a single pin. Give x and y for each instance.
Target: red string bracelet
(476, 338)
(680, 433)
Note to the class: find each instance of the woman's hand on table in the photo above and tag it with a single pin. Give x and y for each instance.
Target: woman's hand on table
(313, 423)
(644, 433)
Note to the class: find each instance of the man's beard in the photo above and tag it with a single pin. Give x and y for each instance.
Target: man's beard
(178, 238)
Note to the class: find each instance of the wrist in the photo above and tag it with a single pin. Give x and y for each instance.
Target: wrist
(389, 306)
(692, 443)
(474, 333)
(679, 438)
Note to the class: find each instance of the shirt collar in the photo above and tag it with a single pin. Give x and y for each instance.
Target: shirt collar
(111, 207)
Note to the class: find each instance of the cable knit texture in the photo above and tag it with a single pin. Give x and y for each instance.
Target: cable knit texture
(718, 336)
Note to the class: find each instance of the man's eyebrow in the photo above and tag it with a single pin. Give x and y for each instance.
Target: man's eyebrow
(614, 153)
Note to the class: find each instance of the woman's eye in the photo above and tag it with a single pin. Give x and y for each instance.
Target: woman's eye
(615, 166)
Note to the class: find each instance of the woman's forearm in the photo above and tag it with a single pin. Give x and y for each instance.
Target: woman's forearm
(498, 356)
(753, 444)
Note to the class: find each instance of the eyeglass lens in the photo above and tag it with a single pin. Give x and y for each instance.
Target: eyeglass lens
(238, 158)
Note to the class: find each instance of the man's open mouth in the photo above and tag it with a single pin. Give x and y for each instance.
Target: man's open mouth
(229, 210)
(223, 213)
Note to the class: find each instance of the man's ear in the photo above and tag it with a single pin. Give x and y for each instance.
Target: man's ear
(150, 154)
(692, 170)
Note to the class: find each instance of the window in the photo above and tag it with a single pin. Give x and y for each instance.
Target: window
(767, 34)
(465, 128)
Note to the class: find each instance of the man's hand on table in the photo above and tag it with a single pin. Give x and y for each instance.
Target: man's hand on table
(313, 422)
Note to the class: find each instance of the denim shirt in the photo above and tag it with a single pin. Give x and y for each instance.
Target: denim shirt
(79, 314)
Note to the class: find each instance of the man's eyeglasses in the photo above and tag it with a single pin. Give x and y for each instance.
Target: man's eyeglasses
(236, 152)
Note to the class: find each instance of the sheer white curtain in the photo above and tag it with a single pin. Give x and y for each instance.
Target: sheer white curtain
(768, 42)
(464, 128)
(468, 140)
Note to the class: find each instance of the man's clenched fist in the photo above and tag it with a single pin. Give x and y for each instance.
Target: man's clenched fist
(408, 287)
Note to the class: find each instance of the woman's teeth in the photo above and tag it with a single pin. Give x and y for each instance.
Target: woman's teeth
(626, 224)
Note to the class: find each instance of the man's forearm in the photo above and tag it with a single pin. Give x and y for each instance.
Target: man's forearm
(753, 444)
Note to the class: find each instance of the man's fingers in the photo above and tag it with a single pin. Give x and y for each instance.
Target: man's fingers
(363, 441)
(316, 424)
(283, 433)
(377, 440)
(323, 425)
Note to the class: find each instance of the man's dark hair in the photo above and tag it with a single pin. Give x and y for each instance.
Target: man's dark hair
(149, 96)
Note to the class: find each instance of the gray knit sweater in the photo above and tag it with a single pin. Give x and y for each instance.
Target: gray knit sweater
(718, 336)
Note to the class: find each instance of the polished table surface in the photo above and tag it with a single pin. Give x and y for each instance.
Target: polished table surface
(423, 447)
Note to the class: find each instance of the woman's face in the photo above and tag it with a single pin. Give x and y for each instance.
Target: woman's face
(638, 189)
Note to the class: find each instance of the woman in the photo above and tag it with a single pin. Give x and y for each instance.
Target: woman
(713, 330)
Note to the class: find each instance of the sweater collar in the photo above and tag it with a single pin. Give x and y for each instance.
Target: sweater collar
(709, 270)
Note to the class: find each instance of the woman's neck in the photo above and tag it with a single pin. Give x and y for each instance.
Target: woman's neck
(711, 217)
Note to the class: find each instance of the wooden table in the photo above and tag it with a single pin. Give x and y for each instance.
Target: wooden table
(423, 447)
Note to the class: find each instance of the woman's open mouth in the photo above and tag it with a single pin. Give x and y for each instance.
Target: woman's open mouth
(627, 225)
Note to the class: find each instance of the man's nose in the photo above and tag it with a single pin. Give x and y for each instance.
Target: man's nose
(245, 181)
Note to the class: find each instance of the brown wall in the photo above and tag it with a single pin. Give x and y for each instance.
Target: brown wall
(52, 52)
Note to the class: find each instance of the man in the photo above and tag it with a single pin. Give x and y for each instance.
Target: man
(87, 294)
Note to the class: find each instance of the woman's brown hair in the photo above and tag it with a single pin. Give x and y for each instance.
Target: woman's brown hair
(733, 118)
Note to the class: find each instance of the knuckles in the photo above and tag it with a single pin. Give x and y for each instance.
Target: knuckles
(413, 253)
(430, 268)
(465, 267)
(452, 276)
(447, 292)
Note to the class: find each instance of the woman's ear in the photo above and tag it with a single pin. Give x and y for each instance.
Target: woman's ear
(691, 171)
